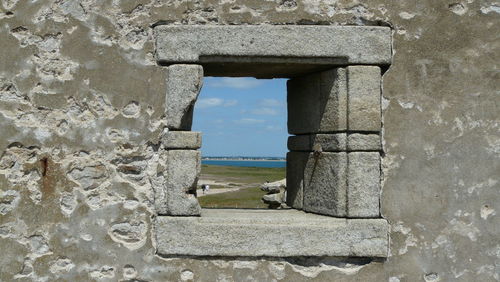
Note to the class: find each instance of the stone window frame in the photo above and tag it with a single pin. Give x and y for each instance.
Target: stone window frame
(333, 167)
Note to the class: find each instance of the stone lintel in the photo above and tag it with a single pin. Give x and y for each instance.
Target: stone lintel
(181, 140)
(285, 233)
(277, 50)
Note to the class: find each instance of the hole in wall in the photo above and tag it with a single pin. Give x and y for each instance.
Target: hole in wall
(243, 122)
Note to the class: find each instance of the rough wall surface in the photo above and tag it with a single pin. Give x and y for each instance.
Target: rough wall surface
(81, 105)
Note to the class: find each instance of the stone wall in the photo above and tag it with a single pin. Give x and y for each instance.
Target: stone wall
(81, 116)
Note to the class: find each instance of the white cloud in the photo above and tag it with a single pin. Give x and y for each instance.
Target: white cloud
(209, 102)
(214, 102)
(273, 128)
(234, 82)
(230, 103)
(265, 111)
(249, 121)
(269, 103)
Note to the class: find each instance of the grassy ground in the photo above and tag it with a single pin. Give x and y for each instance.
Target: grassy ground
(246, 182)
(244, 198)
(217, 186)
(238, 175)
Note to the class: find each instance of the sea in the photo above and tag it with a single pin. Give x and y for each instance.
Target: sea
(245, 163)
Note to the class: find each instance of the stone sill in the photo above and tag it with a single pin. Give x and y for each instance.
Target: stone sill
(273, 233)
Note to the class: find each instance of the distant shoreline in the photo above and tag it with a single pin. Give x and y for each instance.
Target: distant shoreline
(244, 160)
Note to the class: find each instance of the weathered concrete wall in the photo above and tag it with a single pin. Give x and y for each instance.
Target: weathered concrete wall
(81, 105)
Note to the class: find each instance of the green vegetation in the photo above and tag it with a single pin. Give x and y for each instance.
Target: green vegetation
(244, 198)
(217, 186)
(245, 181)
(246, 175)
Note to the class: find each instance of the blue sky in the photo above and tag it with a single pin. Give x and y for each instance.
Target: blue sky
(242, 117)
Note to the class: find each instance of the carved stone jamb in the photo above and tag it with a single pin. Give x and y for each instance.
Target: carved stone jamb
(182, 159)
(335, 111)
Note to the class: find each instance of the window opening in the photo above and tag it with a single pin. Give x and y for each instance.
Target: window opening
(243, 124)
(334, 115)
